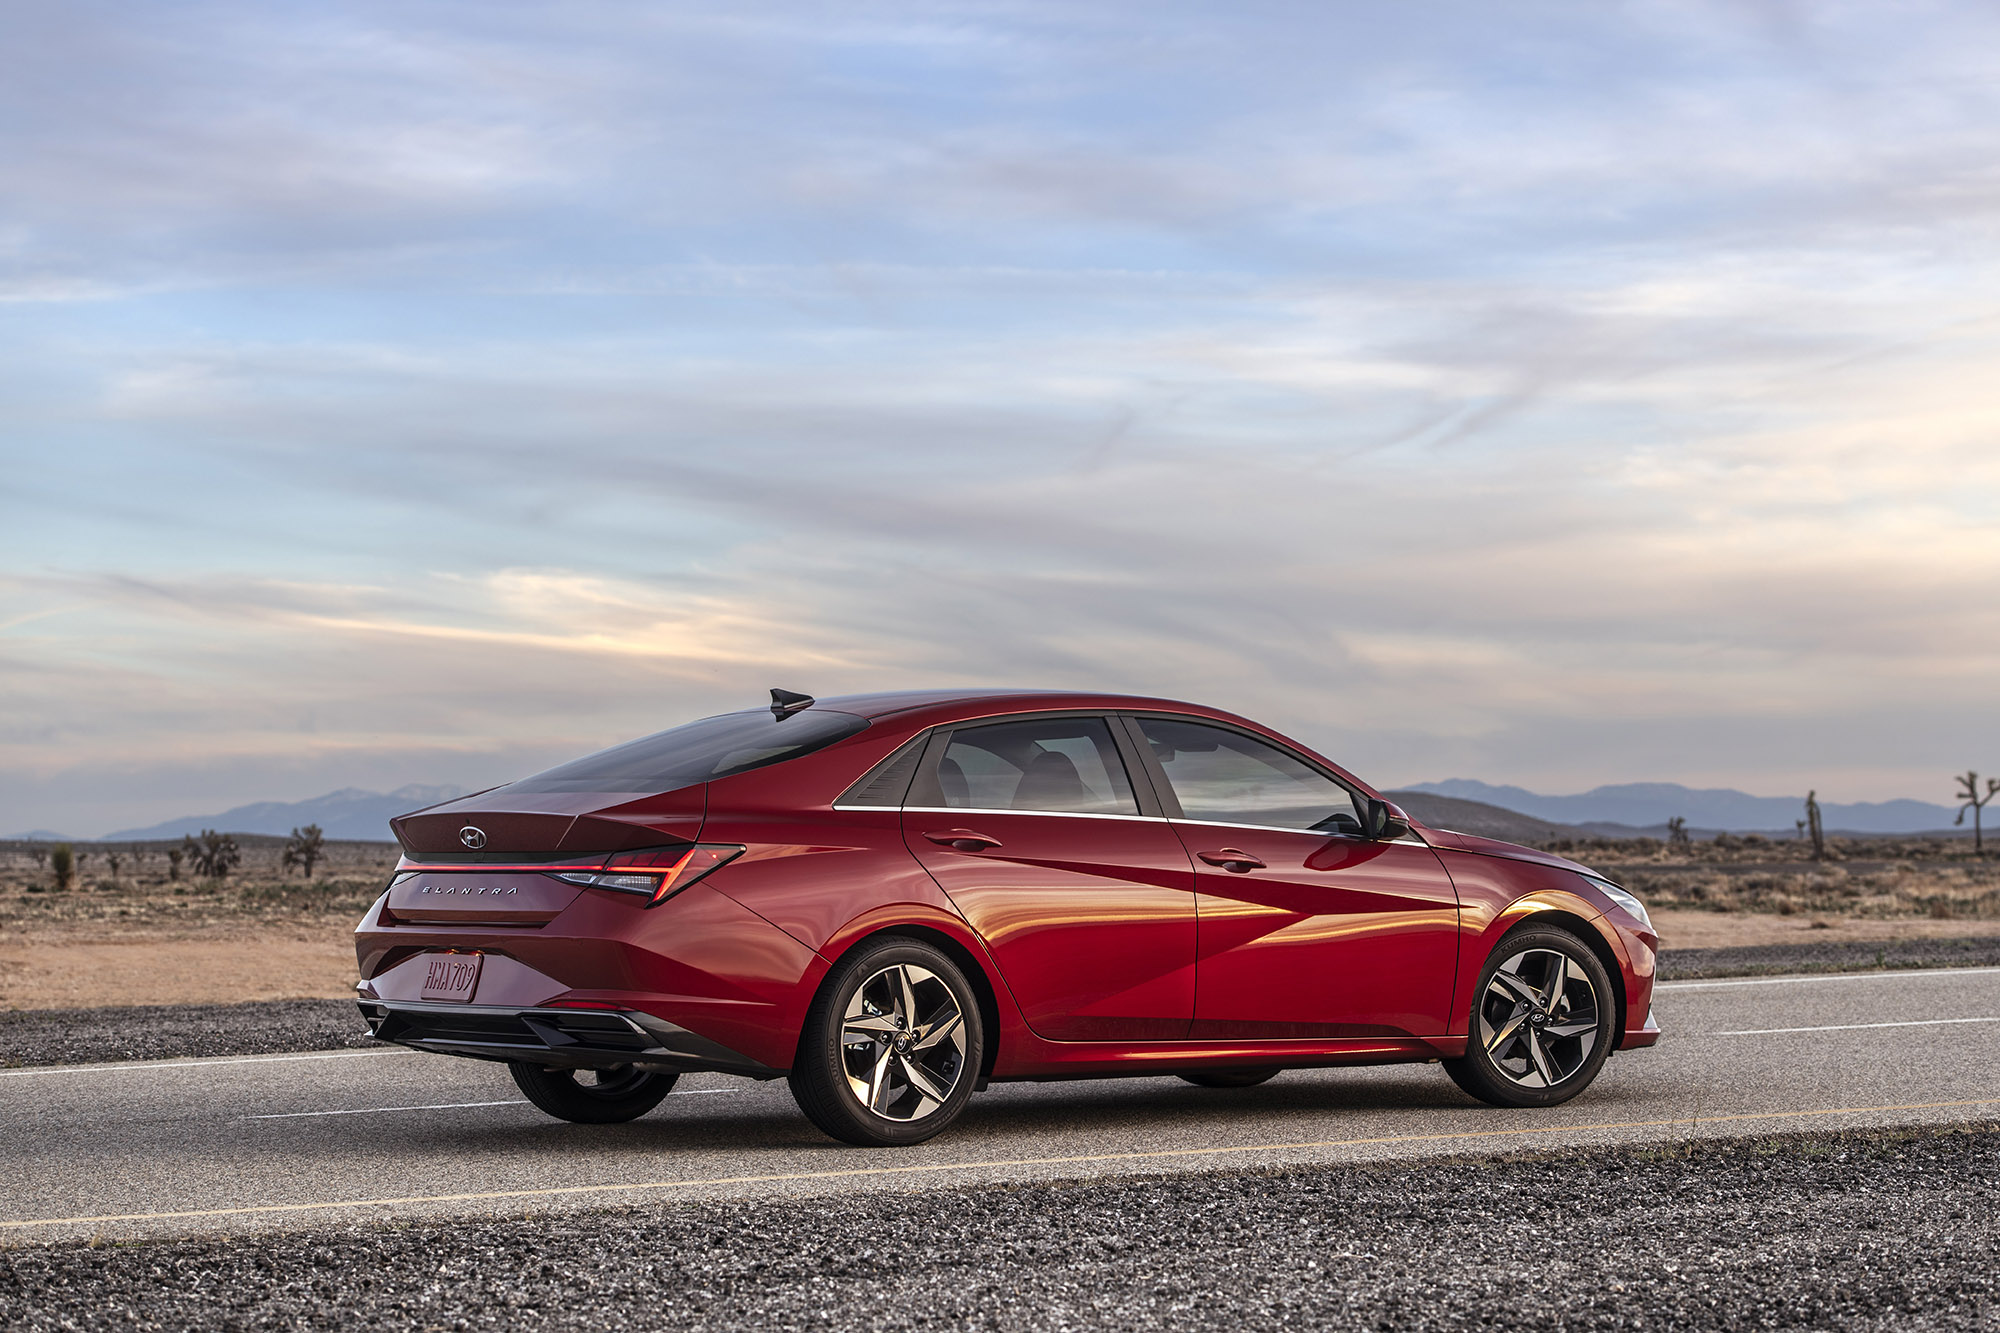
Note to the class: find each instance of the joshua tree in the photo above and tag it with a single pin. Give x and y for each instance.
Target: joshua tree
(1677, 832)
(175, 855)
(306, 849)
(114, 860)
(1975, 801)
(62, 860)
(214, 855)
(1811, 825)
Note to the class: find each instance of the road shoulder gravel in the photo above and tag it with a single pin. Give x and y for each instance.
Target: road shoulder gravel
(177, 1031)
(1832, 956)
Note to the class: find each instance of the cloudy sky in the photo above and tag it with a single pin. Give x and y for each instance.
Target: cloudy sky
(1549, 393)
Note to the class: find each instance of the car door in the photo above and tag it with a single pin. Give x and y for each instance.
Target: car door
(1306, 928)
(1035, 828)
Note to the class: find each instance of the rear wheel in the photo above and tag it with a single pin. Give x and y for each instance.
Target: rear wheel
(1543, 1020)
(891, 1047)
(1230, 1078)
(592, 1096)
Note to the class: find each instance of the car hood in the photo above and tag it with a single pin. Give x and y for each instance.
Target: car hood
(1466, 842)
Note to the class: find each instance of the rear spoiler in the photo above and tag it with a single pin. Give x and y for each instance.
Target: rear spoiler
(497, 834)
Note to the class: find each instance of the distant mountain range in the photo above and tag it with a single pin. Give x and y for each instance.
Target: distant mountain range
(1480, 819)
(1637, 805)
(349, 813)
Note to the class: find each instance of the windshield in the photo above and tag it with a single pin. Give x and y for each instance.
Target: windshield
(714, 747)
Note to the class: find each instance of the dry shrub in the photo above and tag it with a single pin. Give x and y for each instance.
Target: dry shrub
(1778, 881)
(322, 895)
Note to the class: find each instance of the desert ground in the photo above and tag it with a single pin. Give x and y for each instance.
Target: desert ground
(138, 934)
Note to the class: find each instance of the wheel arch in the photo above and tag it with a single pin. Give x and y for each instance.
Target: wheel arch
(1586, 930)
(962, 955)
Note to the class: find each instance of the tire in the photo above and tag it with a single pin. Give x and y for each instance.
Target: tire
(592, 1096)
(1230, 1078)
(1543, 1021)
(891, 1048)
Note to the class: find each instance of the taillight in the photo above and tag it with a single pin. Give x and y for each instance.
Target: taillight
(659, 873)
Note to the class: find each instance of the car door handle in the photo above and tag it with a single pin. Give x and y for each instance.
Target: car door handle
(962, 840)
(1230, 858)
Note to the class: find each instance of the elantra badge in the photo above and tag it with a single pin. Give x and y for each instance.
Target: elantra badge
(472, 837)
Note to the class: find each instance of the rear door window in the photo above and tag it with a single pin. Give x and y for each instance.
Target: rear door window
(1224, 777)
(1055, 765)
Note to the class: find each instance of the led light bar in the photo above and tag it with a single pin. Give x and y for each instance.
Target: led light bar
(659, 873)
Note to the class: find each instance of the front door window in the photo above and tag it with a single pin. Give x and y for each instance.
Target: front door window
(1225, 777)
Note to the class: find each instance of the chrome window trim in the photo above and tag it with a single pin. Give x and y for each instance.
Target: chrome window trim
(1412, 840)
(1043, 814)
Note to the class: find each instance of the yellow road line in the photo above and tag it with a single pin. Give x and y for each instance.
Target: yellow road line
(938, 1168)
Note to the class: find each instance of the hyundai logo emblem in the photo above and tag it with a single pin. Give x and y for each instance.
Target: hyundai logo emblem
(472, 837)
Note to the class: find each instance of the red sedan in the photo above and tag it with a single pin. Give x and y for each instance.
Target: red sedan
(894, 899)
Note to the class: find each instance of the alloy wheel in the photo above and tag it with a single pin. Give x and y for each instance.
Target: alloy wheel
(1538, 1019)
(903, 1042)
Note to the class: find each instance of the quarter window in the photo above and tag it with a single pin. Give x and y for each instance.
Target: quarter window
(1061, 765)
(1225, 777)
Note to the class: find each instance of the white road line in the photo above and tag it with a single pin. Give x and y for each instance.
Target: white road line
(1855, 1027)
(378, 1110)
(144, 1066)
(1926, 974)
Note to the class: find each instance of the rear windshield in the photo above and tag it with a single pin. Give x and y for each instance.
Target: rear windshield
(714, 747)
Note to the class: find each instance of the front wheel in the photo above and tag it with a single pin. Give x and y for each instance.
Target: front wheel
(592, 1096)
(1543, 1022)
(891, 1047)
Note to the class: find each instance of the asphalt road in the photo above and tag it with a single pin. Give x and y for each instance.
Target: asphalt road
(233, 1145)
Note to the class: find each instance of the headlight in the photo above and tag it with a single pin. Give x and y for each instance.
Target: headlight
(1633, 907)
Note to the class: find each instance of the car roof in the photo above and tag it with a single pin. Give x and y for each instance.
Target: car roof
(948, 704)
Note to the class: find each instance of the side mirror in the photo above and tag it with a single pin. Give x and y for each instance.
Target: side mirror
(1383, 822)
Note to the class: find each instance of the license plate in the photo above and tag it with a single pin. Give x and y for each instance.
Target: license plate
(452, 976)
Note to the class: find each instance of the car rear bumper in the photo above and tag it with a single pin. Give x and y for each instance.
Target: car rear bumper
(702, 964)
(556, 1038)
